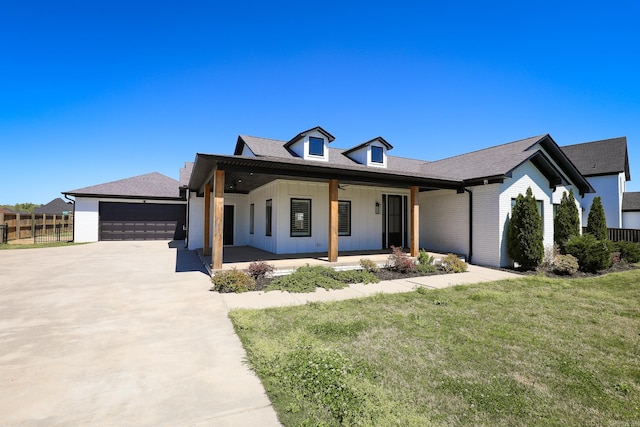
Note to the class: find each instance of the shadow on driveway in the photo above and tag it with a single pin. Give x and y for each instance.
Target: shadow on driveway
(186, 260)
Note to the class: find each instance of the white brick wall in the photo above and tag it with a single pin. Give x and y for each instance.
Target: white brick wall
(444, 221)
(85, 221)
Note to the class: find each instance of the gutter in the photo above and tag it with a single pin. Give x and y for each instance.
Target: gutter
(73, 202)
(470, 225)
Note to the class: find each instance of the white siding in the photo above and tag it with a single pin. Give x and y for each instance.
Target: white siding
(527, 175)
(259, 198)
(241, 217)
(487, 225)
(363, 155)
(610, 189)
(85, 220)
(631, 220)
(195, 231)
(246, 151)
(444, 221)
(301, 147)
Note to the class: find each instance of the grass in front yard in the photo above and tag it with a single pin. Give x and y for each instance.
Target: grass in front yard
(532, 351)
(10, 246)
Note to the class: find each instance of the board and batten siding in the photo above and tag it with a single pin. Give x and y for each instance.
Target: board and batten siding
(195, 228)
(486, 225)
(86, 220)
(241, 217)
(259, 198)
(631, 219)
(444, 221)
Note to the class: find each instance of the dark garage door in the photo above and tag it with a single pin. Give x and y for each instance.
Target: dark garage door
(141, 221)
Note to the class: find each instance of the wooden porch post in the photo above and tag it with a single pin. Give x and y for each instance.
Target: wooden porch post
(333, 220)
(415, 222)
(218, 218)
(206, 250)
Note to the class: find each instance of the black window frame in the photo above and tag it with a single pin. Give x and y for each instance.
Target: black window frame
(344, 203)
(381, 151)
(312, 140)
(303, 233)
(252, 217)
(269, 217)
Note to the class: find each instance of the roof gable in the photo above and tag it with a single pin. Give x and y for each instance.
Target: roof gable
(604, 157)
(379, 139)
(298, 137)
(151, 185)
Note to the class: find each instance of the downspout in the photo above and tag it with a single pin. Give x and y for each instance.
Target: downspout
(470, 225)
(186, 222)
(73, 232)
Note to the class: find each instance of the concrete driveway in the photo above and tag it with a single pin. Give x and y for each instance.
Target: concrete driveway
(119, 333)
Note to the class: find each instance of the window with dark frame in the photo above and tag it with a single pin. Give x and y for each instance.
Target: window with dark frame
(252, 209)
(538, 205)
(344, 218)
(300, 217)
(316, 146)
(269, 213)
(377, 155)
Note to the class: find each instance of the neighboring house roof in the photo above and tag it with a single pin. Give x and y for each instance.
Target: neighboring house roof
(6, 211)
(56, 207)
(185, 174)
(604, 157)
(152, 185)
(631, 202)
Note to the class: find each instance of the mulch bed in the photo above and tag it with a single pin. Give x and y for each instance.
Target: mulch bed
(620, 266)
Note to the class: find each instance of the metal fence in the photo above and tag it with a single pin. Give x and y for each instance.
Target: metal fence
(61, 232)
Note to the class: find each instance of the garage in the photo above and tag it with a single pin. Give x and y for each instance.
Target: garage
(141, 221)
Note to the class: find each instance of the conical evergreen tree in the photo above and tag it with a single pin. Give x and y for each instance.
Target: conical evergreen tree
(524, 235)
(597, 222)
(567, 220)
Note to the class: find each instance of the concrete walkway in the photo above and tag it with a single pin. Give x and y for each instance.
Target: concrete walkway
(120, 334)
(475, 274)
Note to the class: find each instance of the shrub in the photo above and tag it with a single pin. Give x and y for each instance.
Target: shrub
(400, 261)
(426, 268)
(565, 265)
(629, 251)
(597, 222)
(592, 254)
(524, 233)
(232, 281)
(307, 279)
(259, 269)
(424, 258)
(567, 220)
(452, 264)
(368, 265)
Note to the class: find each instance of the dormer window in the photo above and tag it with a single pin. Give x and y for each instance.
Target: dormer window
(316, 146)
(377, 154)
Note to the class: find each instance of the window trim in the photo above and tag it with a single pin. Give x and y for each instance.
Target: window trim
(269, 217)
(291, 212)
(348, 203)
(376, 148)
(315, 138)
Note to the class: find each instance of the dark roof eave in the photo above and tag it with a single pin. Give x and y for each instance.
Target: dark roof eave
(121, 196)
(567, 165)
(205, 163)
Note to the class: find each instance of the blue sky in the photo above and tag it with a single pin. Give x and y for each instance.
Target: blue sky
(95, 91)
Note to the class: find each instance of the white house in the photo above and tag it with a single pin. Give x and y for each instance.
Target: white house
(631, 210)
(605, 164)
(302, 195)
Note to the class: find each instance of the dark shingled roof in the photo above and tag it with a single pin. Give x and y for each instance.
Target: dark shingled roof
(364, 144)
(631, 201)
(604, 157)
(152, 185)
(489, 162)
(56, 206)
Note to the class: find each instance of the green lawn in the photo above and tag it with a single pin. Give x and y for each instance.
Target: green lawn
(533, 351)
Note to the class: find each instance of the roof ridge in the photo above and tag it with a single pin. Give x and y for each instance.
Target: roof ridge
(539, 137)
(597, 141)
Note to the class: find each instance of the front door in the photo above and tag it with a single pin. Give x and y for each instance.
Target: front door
(227, 237)
(394, 221)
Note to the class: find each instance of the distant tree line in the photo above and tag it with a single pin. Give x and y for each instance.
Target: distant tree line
(21, 207)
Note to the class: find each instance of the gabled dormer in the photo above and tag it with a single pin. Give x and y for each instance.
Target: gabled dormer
(312, 144)
(370, 153)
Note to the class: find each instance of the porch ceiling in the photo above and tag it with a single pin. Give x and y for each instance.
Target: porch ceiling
(244, 174)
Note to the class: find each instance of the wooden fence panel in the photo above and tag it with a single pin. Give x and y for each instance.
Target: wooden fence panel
(621, 234)
(23, 226)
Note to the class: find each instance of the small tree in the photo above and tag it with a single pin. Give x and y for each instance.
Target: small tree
(524, 235)
(567, 220)
(597, 222)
